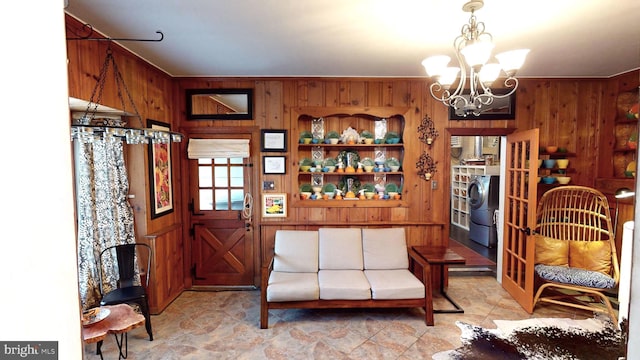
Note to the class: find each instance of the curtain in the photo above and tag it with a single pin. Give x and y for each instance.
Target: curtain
(217, 148)
(105, 217)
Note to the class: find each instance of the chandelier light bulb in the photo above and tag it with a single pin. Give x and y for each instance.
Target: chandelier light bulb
(489, 73)
(477, 53)
(512, 61)
(449, 76)
(436, 65)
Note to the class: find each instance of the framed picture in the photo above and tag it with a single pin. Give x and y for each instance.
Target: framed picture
(160, 175)
(500, 109)
(274, 165)
(274, 205)
(273, 140)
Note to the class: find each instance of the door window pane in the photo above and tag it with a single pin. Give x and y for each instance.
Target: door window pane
(222, 200)
(206, 199)
(221, 177)
(204, 176)
(237, 178)
(237, 199)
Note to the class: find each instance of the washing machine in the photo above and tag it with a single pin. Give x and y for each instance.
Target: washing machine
(484, 197)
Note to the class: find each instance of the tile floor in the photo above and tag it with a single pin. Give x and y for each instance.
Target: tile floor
(224, 325)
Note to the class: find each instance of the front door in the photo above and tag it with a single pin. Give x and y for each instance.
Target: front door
(520, 216)
(221, 211)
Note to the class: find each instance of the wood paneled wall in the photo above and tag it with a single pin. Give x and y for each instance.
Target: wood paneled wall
(152, 93)
(574, 113)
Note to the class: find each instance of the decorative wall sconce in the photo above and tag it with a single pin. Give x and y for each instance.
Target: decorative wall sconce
(427, 131)
(426, 167)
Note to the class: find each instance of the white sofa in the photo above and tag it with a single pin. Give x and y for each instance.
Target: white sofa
(343, 268)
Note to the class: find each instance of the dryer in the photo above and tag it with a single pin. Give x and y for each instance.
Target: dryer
(484, 198)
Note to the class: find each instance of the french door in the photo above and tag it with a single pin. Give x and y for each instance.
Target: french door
(520, 216)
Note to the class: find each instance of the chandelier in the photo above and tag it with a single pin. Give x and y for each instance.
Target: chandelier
(473, 49)
(101, 122)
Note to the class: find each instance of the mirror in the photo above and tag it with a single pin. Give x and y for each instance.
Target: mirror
(500, 109)
(222, 104)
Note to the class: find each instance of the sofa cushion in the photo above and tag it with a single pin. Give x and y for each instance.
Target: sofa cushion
(394, 284)
(296, 251)
(385, 249)
(340, 248)
(343, 285)
(292, 286)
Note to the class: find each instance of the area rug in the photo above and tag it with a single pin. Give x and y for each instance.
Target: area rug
(544, 338)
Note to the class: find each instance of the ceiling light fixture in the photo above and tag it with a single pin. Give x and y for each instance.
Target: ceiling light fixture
(473, 49)
(100, 122)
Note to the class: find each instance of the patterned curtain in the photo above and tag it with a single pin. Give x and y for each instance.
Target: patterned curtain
(105, 217)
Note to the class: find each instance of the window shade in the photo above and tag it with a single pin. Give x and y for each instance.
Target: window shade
(217, 148)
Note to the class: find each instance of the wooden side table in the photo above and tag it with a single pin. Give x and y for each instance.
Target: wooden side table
(120, 320)
(441, 256)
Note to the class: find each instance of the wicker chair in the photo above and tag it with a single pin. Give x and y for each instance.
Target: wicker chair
(576, 260)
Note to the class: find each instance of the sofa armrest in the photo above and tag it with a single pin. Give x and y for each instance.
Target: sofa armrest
(264, 282)
(415, 258)
(267, 268)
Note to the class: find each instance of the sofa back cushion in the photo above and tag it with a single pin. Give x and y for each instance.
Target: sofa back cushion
(296, 251)
(385, 249)
(340, 248)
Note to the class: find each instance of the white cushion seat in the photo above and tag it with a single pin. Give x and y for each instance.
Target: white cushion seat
(289, 286)
(343, 285)
(394, 284)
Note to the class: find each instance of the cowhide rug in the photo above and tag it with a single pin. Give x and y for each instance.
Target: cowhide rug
(544, 338)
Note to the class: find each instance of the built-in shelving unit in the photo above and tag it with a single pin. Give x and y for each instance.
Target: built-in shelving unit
(461, 176)
(351, 165)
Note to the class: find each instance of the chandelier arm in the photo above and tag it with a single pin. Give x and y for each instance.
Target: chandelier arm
(437, 87)
(509, 83)
(457, 45)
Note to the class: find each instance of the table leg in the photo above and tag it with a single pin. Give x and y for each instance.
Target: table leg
(457, 309)
(121, 342)
(99, 349)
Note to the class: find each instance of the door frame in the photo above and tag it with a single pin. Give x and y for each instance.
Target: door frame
(254, 151)
(470, 131)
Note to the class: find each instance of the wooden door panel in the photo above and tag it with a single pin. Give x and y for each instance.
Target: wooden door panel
(520, 216)
(222, 254)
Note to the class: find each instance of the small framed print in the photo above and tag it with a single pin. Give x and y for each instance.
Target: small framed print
(273, 140)
(274, 165)
(274, 205)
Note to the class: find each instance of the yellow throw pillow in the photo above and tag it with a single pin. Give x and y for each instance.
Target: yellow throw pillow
(550, 251)
(591, 255)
